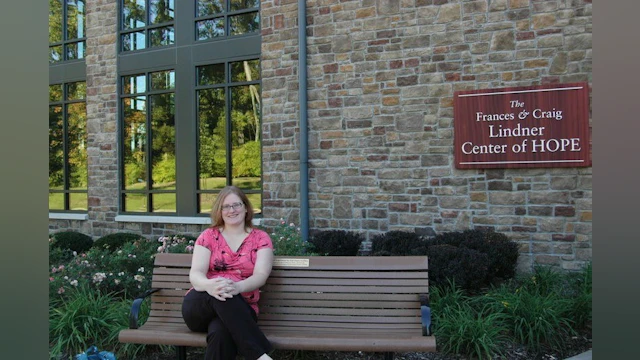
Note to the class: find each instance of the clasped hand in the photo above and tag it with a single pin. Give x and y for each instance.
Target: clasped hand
(223, 289)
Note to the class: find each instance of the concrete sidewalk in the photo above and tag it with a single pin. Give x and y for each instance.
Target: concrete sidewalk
(584, 356)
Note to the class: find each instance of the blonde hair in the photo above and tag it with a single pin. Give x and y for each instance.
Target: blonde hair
(216, 210)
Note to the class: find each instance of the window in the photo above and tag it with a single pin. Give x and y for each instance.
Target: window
(190, 109)
(219, 18)
(228, 96)
(67, 147)
(67, 30)
(147, 23)
(148, 113)
(67, 107)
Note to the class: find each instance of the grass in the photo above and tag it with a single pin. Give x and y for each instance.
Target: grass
(162, 202)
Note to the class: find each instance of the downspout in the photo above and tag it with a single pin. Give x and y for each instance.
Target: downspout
(302, 101)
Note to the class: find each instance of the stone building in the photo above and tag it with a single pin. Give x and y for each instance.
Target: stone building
(380, 78)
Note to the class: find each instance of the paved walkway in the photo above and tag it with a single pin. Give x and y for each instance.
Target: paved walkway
(584, 356)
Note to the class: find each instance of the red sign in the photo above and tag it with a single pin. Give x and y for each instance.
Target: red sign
(522, 127)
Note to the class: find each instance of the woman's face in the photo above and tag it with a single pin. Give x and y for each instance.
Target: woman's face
(233, 210)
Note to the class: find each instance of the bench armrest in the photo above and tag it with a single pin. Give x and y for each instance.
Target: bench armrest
(135, 308)
(425, 312)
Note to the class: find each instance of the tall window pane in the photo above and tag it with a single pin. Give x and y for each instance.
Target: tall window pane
(214, 20)
(67, 30)
(229, 117)
(68, 147)
(134, 14)
(140, 20)
(148, 128)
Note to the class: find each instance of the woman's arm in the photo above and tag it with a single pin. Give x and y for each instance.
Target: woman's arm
(216, 287)
(261, 271)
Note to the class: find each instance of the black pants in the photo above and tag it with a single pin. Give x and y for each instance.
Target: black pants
(231, 326)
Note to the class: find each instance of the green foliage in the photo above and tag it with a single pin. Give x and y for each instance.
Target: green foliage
(538, 319)
(125, 272)
(115, 241)
(72, 240)
(287, 240)
(182, 244)
(466, 325)
(464, 266)
(246, 160)
(501, 251)
(164, 171)
(397, 243)
(579, 293)
(134, 172)
(86, 318)
(336, 242)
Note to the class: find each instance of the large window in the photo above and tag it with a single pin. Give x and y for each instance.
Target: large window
(67, 107)
(67, 30)
(67, 147)
(228, 96)
(189, 104)
(148, 108)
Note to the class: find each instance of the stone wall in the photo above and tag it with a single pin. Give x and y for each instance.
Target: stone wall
(382, 74)
(381, 78)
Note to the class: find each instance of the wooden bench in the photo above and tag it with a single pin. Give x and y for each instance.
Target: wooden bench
(324, 303)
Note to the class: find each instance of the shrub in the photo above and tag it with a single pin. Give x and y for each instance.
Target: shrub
(463, 330)
(57, 255)
(579, 293)
(463, 266)
(536, 319)
(115, 241)
(72, 240)
(86, 318)
(176, 244)
(125, 272)
(336, 242)
(287, 240)
(503, 252)
(398, 243)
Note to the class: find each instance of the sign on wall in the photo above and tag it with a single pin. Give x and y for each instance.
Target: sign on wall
(522, 127)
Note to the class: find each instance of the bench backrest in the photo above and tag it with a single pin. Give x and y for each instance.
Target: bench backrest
(319, 291)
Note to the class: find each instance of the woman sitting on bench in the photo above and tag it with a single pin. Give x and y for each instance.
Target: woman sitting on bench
(231, 261)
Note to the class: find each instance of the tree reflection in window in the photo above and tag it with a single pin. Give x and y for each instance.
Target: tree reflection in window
(67, 147)
(229, 120)
(219, 18)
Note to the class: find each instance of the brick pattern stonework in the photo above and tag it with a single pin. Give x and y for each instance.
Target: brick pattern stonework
(381, 78)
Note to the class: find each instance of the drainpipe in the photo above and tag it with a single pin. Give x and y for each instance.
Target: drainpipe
(302, 101)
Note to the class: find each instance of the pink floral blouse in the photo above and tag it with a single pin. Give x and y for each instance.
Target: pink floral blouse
(236, 265)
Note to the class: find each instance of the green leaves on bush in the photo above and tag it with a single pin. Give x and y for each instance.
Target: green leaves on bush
(397, 243)
(466, 267)
(336, 242)
(287, 240)
(86, 318)
(115, 241)
(72, 240)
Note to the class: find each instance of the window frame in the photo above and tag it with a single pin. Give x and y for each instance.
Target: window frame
(184, 56)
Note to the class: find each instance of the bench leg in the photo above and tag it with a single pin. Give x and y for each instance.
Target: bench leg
(388, 356)
(181, 352)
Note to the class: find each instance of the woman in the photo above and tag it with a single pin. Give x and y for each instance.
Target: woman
(231, 261)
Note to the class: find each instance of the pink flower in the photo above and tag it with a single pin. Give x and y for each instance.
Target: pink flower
(61, 290)
(51, 279)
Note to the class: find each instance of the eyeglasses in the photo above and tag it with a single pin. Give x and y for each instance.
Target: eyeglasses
(234, 206)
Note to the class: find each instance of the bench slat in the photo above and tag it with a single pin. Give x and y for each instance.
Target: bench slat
(348, 282)
(266, 297)
(351, 274)
(345, 289)
(271, 303)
